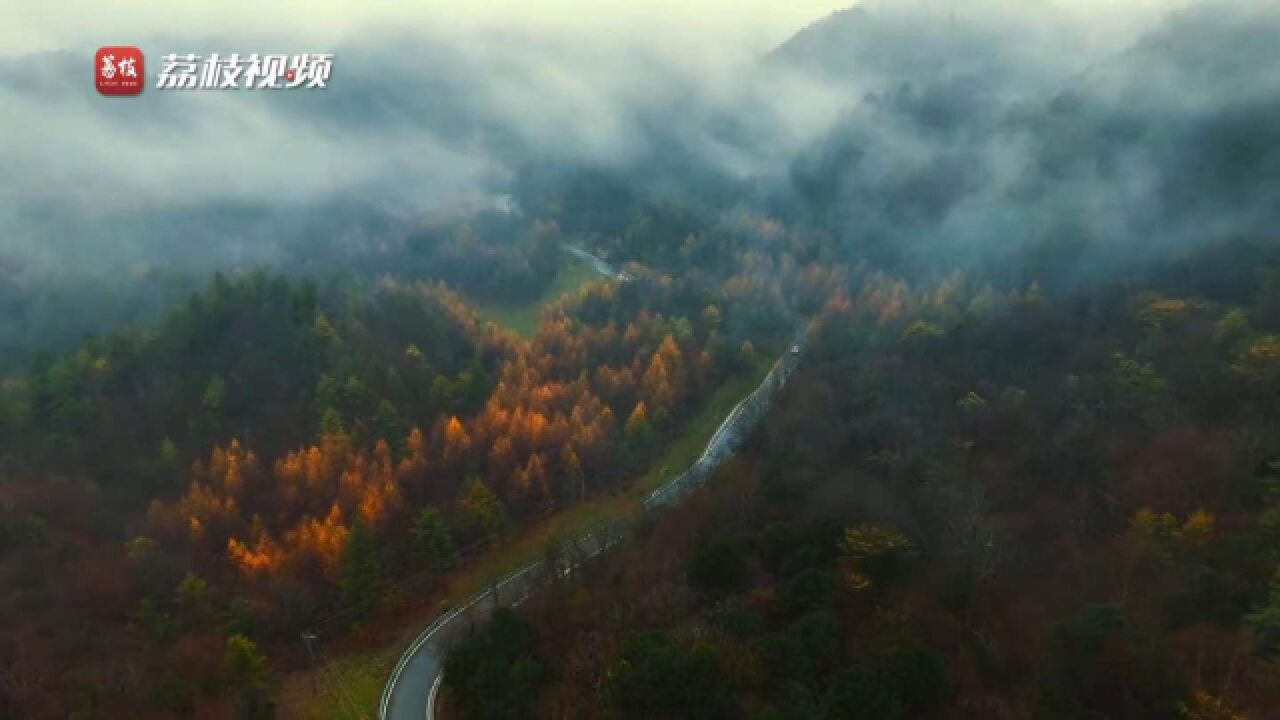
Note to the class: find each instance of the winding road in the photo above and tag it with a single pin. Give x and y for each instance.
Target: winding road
(410, 693)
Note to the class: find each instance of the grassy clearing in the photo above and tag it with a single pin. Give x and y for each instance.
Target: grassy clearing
(698, 429)
(353, 684)
(531, 543)
(522, 318)
(348, 688)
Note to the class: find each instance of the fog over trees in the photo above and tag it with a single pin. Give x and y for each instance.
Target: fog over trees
(263, 368)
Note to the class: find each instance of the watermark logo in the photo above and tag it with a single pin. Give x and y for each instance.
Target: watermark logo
(118, 70)
(251, 72)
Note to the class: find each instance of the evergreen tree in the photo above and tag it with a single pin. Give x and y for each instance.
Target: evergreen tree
(432, 541)
(359, 572)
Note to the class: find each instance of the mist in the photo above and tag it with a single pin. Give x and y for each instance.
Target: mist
(923, 137)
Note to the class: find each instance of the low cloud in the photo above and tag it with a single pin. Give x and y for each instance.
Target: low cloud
(922, 129)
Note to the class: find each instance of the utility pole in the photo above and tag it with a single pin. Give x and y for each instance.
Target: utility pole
(308, 638)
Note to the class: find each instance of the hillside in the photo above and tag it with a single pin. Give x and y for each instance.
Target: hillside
(963, 504)
(288, 374)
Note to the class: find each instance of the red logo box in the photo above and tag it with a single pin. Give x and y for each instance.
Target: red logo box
(117, 70)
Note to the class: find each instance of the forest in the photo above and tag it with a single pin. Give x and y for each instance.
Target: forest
(965, 504)
(281, 387)
(275, 454)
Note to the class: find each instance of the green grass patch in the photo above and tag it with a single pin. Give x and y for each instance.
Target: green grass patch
(696, 432)
(522, 317)
(346, 688)
(531, 544)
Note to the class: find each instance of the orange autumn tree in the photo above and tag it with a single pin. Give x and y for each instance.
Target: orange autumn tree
(547, 435)
(532, 428)
(210, 511)
(302, 515)
(663, 383)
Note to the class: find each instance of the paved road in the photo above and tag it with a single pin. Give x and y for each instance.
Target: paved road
(414, 682)
(411, 690)
(600, 266)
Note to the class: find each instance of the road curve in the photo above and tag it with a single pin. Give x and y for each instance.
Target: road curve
(411, 690)
(600, 266)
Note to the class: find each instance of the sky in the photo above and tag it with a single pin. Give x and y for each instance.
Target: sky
(435, 107)
(69, 24)
(426, 101)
